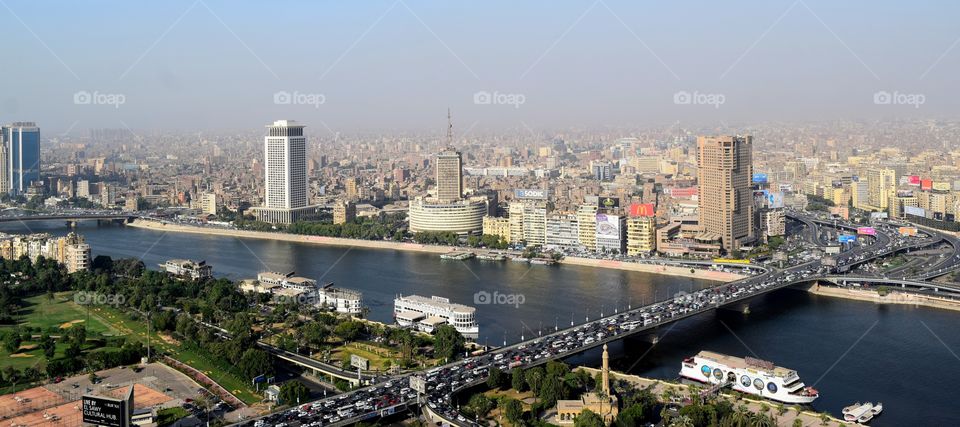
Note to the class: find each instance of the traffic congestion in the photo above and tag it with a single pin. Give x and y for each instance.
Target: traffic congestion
(442, 383)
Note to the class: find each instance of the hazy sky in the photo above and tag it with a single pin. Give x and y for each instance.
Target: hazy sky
(398, 64)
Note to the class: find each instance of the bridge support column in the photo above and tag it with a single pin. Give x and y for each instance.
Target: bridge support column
(742, 307)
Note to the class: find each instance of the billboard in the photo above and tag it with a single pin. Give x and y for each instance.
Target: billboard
(608, 202)
(869, 231)
(359, 362)
(531, 193)
(683, 192)
(941, 186)
(608, 226)
(926, 184)
(642, 209)
(774, 199)
(418, 384)
(832, 249)
(878, 215)
(913, 210)
(108, 412)
(759, 178)
(914, 180)
(907, 231)
(846, 238)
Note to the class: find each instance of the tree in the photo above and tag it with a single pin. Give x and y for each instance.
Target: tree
(534, 378)
(348, 330)
(11, 342)
(293, 392)
(480, 405)
(495, 378)
(255, 362)
(517, 379)
(512, 409)
(631, 416)
(797, 422)
(448, 343)
(588, 418)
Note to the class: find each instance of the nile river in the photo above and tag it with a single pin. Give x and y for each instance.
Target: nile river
(849, 350)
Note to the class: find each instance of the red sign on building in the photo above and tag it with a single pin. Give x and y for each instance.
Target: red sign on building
(926, 184)
(642, 209)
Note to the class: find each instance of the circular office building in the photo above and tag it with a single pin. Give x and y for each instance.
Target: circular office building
(463, 216)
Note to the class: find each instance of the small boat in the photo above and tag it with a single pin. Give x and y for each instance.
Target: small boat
(857, 414)
(865, 418)
(877, 409)
(851, 408)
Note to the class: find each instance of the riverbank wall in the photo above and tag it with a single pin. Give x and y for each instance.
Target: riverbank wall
(669, 270)
(894, 296)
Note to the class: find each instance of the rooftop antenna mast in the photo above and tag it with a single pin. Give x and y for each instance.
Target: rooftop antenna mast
(449, 129)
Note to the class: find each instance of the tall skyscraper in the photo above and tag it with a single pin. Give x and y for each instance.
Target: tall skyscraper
(449, 175)
(724, 171)
(449, 169)
(285, 170)
(21, 156)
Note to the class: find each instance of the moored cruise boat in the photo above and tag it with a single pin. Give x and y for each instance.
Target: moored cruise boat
(426, 314)
(748, 375)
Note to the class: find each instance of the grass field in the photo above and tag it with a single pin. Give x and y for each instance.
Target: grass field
(54, 317)
(57, 314)
(137, 330)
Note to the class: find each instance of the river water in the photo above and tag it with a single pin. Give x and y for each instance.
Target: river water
(851, 351)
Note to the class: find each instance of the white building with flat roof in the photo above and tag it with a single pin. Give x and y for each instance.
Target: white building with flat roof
(285, 166)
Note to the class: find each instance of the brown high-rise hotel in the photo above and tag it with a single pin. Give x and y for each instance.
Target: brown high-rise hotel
(449, 175)
(724, 170)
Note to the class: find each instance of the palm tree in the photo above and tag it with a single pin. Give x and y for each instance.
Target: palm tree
(681, 421)
(762, 420)
(824, 418)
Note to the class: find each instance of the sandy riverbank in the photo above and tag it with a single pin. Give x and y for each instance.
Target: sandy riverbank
(416, 247)
(893, 297)
(669, 270)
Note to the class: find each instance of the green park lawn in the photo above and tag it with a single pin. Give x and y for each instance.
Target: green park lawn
(57, 315)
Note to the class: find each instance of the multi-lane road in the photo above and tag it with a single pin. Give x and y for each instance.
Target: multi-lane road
(444, 382)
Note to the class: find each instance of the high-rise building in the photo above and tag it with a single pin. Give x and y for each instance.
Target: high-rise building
(641, 235)
(587, 226)
(881, 182)
(344, 211)
(285, 167)
(724, 171)
(563, 232)
(350, 189)
(496, 226)
(535, 223)
(21, 155)
(449, 175)
(601, 170)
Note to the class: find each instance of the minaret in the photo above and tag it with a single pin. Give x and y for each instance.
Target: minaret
(606, 371)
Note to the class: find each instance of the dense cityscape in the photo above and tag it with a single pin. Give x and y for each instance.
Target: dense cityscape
(647, 273)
